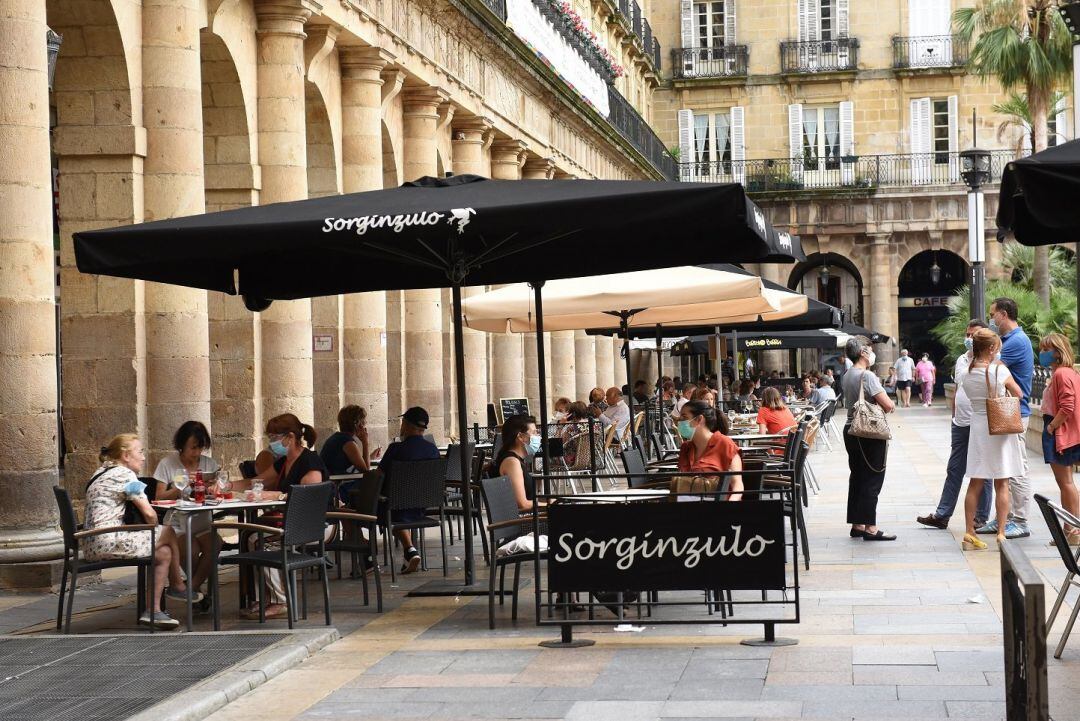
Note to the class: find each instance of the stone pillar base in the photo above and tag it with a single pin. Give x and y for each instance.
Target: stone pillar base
(42, 576)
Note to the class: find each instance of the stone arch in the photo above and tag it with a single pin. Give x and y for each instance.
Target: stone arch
(926, 281)
(845, 286)
(391, 179)
(228, 143)
(321, 156)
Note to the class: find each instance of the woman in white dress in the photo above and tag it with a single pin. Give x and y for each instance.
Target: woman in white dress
(995, 458)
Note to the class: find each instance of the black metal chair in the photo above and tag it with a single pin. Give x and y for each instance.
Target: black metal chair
(73, 566)
(453, 508)
(363, 516)
(304, 526)
(504, 524)
(414, 484)
(636, 471)
(1054, 515)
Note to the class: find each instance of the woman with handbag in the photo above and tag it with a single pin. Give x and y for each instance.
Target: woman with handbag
(1061, 422)
(866, 438)
(706, 448)
(993, 444)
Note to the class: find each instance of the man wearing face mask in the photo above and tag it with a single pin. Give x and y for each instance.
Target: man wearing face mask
(1019, 358)
(961, 429)
(412, 447)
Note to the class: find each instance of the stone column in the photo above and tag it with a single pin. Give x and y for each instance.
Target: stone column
(882, 310)
(177, 337)
(605, 365)
(584, 364)
(468, 139)
(773, 359)
(364, 318)
(28, 444)
(287, 384)
(538, 169)
(507, 349)
(422, 316)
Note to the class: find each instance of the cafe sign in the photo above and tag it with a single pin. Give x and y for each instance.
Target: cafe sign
(925, 301)
(754, 343)
(666, 546)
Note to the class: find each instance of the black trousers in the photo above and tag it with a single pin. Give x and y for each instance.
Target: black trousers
(866, 463)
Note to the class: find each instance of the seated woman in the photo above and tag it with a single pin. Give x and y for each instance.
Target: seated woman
(774, 416)
(705, 448)
(562, 408)
(291, 441)
(574, 433)
(346, 451)
(705, 395)
(745, 396)
(111, 487)
(190, 440)
(520, 440)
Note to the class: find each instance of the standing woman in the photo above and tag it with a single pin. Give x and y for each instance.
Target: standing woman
(866, 456)
(927, 375)
(989, 457)
(1061, 422)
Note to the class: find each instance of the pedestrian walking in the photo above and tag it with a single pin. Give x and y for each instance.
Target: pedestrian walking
(1061, 422)
(866, 456)
(1018, 357)
(990, 457)
(927, 373)
(961, 428)
(905, 374)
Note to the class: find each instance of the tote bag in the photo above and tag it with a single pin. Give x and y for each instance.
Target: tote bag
(1002, 412)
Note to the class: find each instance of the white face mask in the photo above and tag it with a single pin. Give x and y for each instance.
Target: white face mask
(871, 357)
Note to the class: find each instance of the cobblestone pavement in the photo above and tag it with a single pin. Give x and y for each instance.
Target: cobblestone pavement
(909, 629)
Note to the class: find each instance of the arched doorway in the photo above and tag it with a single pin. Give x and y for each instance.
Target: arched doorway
(927, 282)
(832, 279)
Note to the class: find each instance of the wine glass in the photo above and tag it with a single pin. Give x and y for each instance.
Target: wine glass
(180, 480)
(223, 483)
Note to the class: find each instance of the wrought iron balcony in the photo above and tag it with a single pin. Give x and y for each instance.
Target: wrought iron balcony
(929, 51)
(868, 172)
(721, 62)
(819, 56)
(635, 20)
(656, 54)
(625, 119)
(646, 36)
(498, 7)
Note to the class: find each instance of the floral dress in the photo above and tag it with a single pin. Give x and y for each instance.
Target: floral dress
(105, 501)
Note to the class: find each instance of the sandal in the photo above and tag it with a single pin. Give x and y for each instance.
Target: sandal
(879, 536)
(972, 543)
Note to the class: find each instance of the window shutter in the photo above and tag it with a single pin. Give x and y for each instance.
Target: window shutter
(795, 131)
(847, 141)
(1061, 120)
(729, 22)
(687, 7)
(841, 18)
(804, 20)
(686, 144)
(738, 145)
(954, 140)
(920, 140)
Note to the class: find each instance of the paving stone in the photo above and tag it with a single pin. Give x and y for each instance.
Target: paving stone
(876, 709)
(949, 693)
(615, 711)
(983, 710)
(827, 692)
(893, 656)
(915, 676)
(722, 708)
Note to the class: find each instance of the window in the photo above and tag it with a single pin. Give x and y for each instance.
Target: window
(940, 138)
(827, 12)
(712, 140)
(709, 20)
(821, 138)
(712, 144)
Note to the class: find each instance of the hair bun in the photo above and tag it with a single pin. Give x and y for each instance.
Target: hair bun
(104, 450)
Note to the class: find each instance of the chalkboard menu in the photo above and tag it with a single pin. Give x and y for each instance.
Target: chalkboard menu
(512, 407)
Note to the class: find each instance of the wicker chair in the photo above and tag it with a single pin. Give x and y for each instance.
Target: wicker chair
(362, 516)
(73, 566)
(414, 484)
(504, 525)
(305, 526)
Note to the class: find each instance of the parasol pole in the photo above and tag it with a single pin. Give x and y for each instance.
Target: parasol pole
(466, 462)
(541, 367)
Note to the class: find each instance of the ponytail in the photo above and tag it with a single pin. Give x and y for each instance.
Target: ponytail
(114, 451)
(308, 434)
(289, 423)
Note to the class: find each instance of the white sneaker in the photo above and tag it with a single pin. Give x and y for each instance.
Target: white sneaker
(172, 593)
(160, 619)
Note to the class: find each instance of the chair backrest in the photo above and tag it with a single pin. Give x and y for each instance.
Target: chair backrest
(634, 463)
(364, 495)
(453, 459)
(68, 522)
(609, 435)
(478, 461)
(305, 513)
(501, 505)
(1054, 514)
(151, 486)
(496, 443)
(247, 469)
(416, 484)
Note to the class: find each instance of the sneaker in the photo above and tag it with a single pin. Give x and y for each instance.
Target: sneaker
(934, 521)
(412, 561)
(1015, 530)
(176, 595)
(990, 529)
(160, 619)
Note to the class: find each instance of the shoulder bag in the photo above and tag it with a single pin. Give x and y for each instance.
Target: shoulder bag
(132, 515)
(1002, 413)
(868, 418)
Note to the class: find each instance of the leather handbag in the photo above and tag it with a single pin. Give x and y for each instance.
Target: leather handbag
(867, 418)
(1002, 412)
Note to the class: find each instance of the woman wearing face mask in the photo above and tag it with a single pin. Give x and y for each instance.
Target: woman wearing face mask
(927, 375)
(562, 408)
(866, 456)
(1061, 422)
(521, 441)
(706, 448)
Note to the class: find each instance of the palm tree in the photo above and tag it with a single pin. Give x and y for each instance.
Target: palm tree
(1025, 44)
(1018, 117)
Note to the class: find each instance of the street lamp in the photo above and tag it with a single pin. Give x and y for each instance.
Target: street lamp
(1070, 13)
(935, 272)
(975, 170)
(52, 42)
(823, 274)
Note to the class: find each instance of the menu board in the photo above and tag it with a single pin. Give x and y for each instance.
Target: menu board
(512, 407)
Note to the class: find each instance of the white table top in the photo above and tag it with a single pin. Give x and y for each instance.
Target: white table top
(224, 505)
(628, 494)
(757, 436)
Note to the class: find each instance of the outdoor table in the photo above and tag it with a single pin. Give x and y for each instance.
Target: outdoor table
(189, 510)
(624, 495)
(741, 437)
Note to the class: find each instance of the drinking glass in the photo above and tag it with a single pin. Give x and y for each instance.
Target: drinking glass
(180, 480)
(257, 489)
(223, 483)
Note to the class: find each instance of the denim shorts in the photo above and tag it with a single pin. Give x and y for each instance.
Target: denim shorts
(1069, 457)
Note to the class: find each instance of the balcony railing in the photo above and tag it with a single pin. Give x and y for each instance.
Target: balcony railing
(633, 127)
(839, 172)
(635, 20)
(723, 62)
(656, 54)
(498, 7)
(819, 56)
(646, 36)
(929, 51)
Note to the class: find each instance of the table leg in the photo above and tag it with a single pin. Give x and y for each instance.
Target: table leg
(187, 567)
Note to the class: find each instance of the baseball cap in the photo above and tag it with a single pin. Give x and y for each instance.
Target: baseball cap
(416, 416)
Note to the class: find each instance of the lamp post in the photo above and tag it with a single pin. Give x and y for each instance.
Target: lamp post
(52, 42)
(975, 170)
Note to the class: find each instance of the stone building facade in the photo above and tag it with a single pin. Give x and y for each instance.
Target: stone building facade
(163, 108)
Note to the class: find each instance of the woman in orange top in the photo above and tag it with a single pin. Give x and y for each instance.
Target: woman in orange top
(774, 416)
(705, 448)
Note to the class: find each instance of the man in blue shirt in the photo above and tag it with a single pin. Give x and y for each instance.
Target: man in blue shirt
(412, 447)
(1018, 357)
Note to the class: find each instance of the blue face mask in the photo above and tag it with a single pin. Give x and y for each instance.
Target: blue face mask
(534, 444)
(1046, 358)
(278, 449)
(685, 430)
(968, 342)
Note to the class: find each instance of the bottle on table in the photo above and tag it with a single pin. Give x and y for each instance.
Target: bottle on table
(199, 488)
